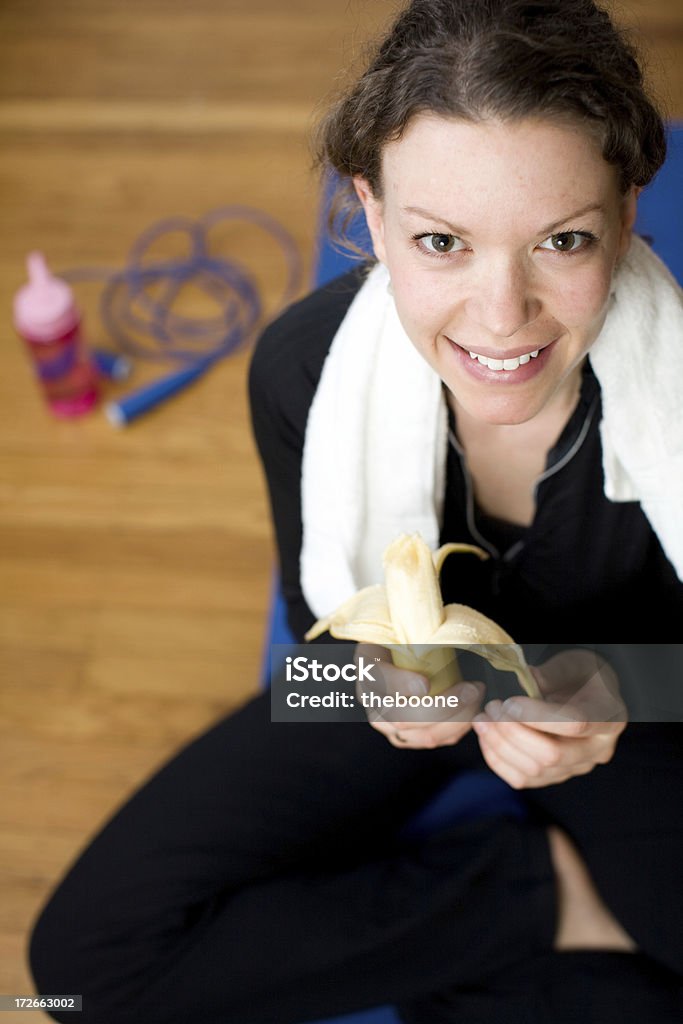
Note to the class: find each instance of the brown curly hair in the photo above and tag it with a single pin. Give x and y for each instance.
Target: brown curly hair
(482, 59)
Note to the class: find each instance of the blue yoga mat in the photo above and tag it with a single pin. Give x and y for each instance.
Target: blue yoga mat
(660, 207)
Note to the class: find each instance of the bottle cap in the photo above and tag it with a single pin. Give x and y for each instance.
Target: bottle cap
(44, 308)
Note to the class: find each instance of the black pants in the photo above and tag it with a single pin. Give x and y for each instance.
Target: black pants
(258, 878)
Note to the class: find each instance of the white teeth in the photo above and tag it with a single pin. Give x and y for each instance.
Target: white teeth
(505, 364)
(514, 364)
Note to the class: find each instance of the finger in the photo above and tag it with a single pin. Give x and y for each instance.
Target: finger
(509, 774)
(378, 699)
(421, 737)
(606, 751)
(555, 758)
(543, 748)
(547, 750)
(428, 737)
(446, 734)
(463, 702)
(506, 740)
(415, 735)
(430, 733)
(520, 779)
(391, 733)
(470, 694)
(557, 719)
(391, 679)
(457, 704)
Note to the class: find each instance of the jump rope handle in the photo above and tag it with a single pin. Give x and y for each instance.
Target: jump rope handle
(135, 404)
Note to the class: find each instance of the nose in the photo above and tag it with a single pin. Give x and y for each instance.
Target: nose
(502, 299)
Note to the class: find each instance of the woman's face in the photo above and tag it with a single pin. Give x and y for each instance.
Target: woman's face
(501, 239)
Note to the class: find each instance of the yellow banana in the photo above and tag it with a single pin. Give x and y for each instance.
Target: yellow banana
(408, 611)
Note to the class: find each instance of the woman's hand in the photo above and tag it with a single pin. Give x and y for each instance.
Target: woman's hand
(532, 743)
(420, 727)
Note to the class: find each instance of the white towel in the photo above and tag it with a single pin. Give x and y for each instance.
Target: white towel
(638, 360)
(374, 458)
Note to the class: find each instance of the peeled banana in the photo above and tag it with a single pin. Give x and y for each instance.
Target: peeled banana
(408, 611)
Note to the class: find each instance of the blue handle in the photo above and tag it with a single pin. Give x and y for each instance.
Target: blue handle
(131, 406)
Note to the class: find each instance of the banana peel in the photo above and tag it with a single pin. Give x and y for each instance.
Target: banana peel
(407, 613)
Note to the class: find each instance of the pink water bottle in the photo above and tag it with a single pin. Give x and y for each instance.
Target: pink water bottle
(47, 318)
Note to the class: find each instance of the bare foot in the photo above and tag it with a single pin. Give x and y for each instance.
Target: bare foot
(584, 921)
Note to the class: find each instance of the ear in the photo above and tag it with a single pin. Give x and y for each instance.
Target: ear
(629, 209)
(373, 215)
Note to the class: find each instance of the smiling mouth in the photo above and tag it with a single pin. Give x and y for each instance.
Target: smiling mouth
(507, 363)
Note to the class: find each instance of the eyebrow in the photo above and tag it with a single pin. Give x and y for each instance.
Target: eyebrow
(548, 230)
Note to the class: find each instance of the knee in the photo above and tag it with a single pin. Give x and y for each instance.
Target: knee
(68, 956)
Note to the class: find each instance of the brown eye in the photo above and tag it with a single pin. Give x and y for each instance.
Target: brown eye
(440, 244)
(565, 241)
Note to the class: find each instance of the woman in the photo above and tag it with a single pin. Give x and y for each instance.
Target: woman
(497, 149)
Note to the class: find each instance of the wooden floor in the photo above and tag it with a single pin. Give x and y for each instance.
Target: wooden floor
(135, 564)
